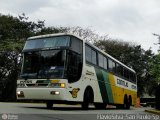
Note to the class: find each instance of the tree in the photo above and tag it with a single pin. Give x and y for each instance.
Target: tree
(13, 33)
(155, 67)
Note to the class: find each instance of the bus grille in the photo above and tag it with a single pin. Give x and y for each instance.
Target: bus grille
(37, 85)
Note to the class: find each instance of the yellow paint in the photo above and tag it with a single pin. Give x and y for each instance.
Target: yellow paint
(112, 83)
(55, 81)
(118, 92)
(62, 85)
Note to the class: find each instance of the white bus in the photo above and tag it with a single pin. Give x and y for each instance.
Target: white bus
(63, 68)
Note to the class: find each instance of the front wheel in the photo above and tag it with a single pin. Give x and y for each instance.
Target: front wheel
(49, 104)
(100, 105)
(88, 98)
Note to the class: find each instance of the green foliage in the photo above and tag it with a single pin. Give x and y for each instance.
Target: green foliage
(51, 30)
(155, 67)
(13, 33)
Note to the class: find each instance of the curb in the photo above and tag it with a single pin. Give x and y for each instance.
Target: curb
(154, 111)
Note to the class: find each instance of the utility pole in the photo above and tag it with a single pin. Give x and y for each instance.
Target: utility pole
(158, 41)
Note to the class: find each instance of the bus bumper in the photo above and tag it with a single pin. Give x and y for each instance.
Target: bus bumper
(42, 93)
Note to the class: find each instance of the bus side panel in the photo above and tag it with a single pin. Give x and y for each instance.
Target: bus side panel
(88, 78)
(104, 85)
(119, 91)
(110, 91)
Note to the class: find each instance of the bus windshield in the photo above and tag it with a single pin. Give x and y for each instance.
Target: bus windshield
(49, 42)
(44, 64)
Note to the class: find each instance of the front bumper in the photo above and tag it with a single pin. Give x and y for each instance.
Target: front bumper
(42, 94)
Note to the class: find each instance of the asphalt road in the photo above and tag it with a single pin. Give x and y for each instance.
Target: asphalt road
(32, 111)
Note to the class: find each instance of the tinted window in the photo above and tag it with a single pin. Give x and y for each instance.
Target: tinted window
(114, 66)
(74, 66)
(88, 53)
(126, 73)
(111, 65)
(105, 62)
(76, 45)
(91, 55)
(44, 64)
(119, 69)
(132, 77)
(94, 57)
(47, 42)
(100, 60)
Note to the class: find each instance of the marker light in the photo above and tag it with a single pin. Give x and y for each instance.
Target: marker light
(62, 85)
(57, 85)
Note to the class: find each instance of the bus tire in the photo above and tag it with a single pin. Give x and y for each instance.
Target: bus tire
(87, 99)
(100, 105)
(130, 101)
(49, 104)
(120, 106)
(126, 104)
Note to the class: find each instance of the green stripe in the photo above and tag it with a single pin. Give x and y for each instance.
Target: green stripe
(102, 85)
(108, 86)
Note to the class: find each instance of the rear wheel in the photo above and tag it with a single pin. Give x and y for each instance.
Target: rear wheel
(49, 104)
(126, 104)
(120, 106)
(130, 102)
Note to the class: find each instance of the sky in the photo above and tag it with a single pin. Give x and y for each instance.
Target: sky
(129, 20)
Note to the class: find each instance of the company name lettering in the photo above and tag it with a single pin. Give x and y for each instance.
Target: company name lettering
(123, 83)
(27, 81)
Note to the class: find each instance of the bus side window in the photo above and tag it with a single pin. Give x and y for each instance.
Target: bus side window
(126, 73)
(132, 77)
(113, 66)
(74, 67)
(88, 54)
(100, 60)
(94, 57)
(119, 70)
(105, 62)
(110, 65)
(76, 45)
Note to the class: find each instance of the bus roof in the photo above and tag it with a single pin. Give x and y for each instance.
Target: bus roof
(69, 34)
(53, 35)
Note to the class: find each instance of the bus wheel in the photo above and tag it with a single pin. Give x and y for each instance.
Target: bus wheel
(88, 98)
(126, 103)
(130, 101)
(100, 105)
(120, 106)
(49, 104)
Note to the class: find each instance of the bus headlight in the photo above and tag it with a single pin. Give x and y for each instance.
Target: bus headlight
(20, 93)
(57, 85)
(54, 92)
